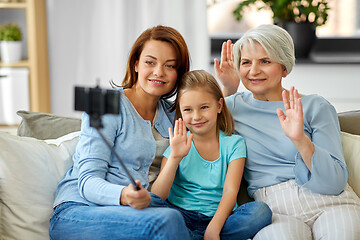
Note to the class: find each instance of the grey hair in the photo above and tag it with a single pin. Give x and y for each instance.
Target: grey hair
(276, 41)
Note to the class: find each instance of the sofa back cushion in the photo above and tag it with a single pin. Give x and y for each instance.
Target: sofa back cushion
(46, 125)
(51, 126)
(30, 170)
(350, 122)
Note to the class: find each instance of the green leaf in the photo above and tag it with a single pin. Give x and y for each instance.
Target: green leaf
(289, 10)
(10, 32)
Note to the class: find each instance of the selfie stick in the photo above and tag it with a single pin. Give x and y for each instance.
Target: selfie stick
(118, 157)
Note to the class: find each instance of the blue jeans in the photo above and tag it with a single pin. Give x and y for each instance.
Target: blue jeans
(78, 221)
(243, 223)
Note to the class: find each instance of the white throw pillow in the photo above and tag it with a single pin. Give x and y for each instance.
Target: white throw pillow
(30, 170)
(351, 147)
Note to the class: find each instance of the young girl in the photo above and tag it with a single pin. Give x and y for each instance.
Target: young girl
(202, 169)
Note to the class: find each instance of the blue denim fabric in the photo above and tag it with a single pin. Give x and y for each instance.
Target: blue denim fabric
(243, 223)
(78, 221)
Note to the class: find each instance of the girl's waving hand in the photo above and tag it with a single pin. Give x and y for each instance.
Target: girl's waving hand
(180, 144)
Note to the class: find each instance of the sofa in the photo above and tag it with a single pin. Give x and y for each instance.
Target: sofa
(32, 163)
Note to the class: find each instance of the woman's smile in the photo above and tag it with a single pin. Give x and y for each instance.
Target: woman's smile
(157, 82)
(257, 81)
(259, 74)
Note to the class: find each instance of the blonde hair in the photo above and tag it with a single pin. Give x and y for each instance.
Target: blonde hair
(204, 80)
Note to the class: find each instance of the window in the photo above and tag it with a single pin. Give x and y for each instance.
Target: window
(338, 40)
(343, 20)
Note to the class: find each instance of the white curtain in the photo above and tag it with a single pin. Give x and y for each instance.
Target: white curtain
(90, 39)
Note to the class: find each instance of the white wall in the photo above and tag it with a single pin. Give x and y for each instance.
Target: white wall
(90, 39)
(338, 83)
(78, 28)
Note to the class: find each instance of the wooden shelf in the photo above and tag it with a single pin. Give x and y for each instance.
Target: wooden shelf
(37, 45)
(20, 64)
(13, 5)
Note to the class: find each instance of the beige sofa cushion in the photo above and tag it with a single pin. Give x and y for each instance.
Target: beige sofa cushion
(351, 147)
(30, 170)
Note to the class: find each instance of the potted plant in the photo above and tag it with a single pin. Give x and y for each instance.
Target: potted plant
(298, 17)
(10, 42)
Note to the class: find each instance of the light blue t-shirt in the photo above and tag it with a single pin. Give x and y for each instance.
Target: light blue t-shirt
(198, 184)
(97, 177)
(271, 156)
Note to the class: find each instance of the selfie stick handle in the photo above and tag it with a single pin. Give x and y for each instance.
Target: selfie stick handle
(121, 162)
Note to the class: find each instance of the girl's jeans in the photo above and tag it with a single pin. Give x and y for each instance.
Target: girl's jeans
(243, 223)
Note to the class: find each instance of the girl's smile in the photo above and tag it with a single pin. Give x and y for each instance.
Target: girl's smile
(199, 124)
(199, 110)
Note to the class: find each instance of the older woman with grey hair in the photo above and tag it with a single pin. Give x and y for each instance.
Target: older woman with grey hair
(295, 160)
